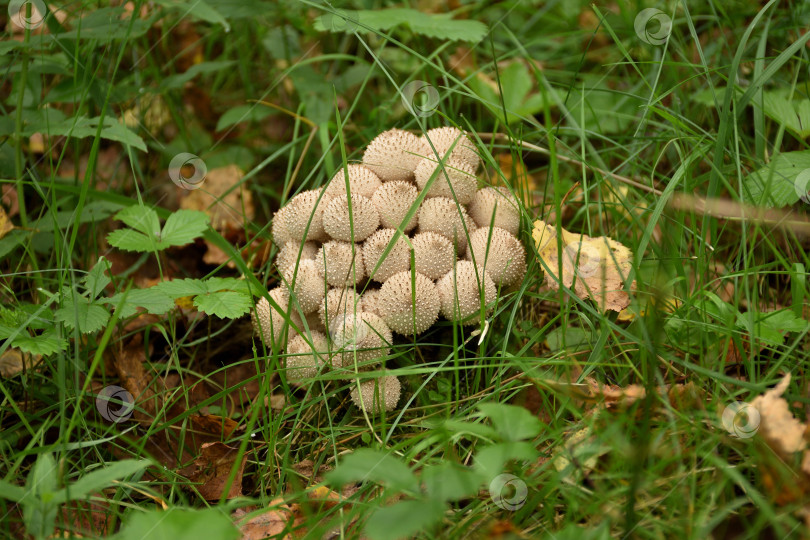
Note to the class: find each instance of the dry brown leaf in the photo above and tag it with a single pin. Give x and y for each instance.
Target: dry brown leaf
(271, 523)
(213, 468)
(600, 265)
(9, 199)
(14, 361)
(5, 223)
(777, 425)
(229, 204)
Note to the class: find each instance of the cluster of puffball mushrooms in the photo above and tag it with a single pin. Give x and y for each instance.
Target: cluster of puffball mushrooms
(385, 247)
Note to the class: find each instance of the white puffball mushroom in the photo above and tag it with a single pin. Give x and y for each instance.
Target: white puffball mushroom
(398, 258)
(370, 300)
(394, 154)
(499, 253)
(362, 181)
(280, 229)
(307, 285)
(443, 138)
(339, 303)
(398, 308)
(454, 179)
(306, 356)
(269, 323)
(496, 207)
(361, 336)
(341, 263)
(460, 292)
(303, 216)
(433, 254)
(445, 217)
(374, 395)
(393, 201)
(337, 224)
(289, 254)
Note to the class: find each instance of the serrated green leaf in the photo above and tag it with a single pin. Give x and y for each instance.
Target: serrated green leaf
(179, 524)
(107, 24)
(178, 288)
(131, 240)
(215, 284)
(404, 519)
(39, 513)
(183, 227)
(491, 460)
(153, 300)
(441, 26)
(366, 465)
(11, 240)
(97, 279)
(511, 422)
(85, 316)
(198, 9)
(223, 304)
(448, 481)
(45, 344)
(99, 479)
(775, 184)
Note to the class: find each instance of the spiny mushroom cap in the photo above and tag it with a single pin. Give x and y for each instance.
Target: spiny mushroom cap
(338, 225)
(303, 216)
(443, 216)
(307, 285)
(288, 255)
(397, 260)
(393, 201)
(433, 254)
(341, 267)
(370, 301)
(499, 202)
(455, 179)
(504, 258)
(444, 137)
(394, 154)
(269, 323)
(305, 356)
(460, 292)
(373, 393)
(280, 230)
(362, 181)
(362, 336)
(397, 306)
(339, 303)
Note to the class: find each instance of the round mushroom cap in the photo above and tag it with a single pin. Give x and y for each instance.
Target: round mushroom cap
(306, 356)
(497, 202)
(374, 395)
(280, 230)
(370, 300)
(502, 255)
(289, 254)
(304, 216)
(445, 217)
(269, 323)
(397, 306)
(393, 201)
(341, 263)
(455, 179)
(338, 225)
(397, 260)
(361, 336)
(339, 302)
(307, 285)
(444, 137)
(433, 254)
(460, 292)
(362, 181)
(394, 154)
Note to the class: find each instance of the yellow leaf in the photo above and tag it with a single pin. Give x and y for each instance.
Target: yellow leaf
(596, 267)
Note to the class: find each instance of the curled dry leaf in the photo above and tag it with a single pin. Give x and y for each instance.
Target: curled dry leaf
(213, 469)
(600, 265)
(14, 361)
(781, 430)
(270, 524)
